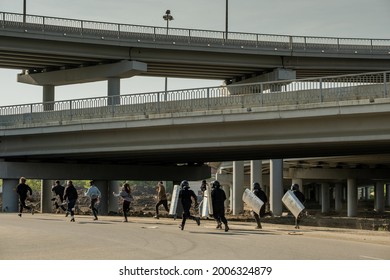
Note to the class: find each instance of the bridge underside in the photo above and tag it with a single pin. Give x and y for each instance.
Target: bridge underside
(43, 56)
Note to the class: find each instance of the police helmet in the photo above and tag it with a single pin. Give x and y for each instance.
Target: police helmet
(256, 186)
(184, 184)
(295, 187)
(216, 184)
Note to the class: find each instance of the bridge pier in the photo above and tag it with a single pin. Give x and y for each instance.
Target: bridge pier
(10, 197)
(238, 183)
(256, 173)
(338, 197)
(46, 195)
(325, 198)
(276, 186)
(352, 197)
(379, 197)
(113, 186)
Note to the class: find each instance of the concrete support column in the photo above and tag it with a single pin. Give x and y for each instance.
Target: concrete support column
(113, 205)
(103, 188)
(338, 204)
(10, 197)
(226, 189)
(48, 97)
(352, 198)
(46, 195)
(276, 186)
(387, 195)
(325, 197)
(238, 183)
(379, 197)
(113, 91)
(256, 172)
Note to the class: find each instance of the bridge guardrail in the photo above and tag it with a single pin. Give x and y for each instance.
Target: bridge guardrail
(369, 86)
(117, 31)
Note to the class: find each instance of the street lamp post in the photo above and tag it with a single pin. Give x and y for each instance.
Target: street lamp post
(24, 11)
(227, 19)
(168, 17)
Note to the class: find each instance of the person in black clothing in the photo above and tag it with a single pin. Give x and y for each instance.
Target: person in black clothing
(71, 195)
(22, 190)
(186, 195)
(301, 198)
(58, 191)
(263, 197)
(218, 198)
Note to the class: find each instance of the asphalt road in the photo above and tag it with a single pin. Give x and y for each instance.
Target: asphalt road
(53, 237)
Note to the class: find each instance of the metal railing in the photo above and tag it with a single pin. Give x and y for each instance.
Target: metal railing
(369, 86)
(152, 34)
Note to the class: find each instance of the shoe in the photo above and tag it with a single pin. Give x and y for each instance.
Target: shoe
(32, 210)
(125, 221)
(226, 228)
(197, 219)
(219, 226)
(258, 227)
(72, 220)
(181, 227)
(156, 217)
(66, 214)
(95, 219)
(20, 214)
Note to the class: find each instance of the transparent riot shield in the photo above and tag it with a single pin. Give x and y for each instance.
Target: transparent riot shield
(252, 201)
(175, 209)
(292, 203)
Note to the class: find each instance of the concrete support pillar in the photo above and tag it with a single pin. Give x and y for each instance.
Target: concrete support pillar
(46, 195)
(103, 188)
(113, 202)
(276, 186)
(10, 197)
(238, 183)
(256, 172)
(379, 197)
(387, 195)
(325, 198)
(113, 91)
(338, 204)
(48, 97)
(228, 206)
(352, 198)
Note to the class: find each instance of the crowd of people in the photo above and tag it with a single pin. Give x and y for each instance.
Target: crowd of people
(68, 196)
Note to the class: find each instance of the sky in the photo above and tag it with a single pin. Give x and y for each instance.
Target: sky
(330, 18)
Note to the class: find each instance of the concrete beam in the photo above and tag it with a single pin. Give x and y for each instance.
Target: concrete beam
(340, 174)
(64, 171)
(122, 69)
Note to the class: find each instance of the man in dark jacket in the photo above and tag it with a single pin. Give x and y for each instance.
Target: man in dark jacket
(71, 195)
(22, 190)
(186, 195)
(218, 198)
(263, 197)
(58, 191)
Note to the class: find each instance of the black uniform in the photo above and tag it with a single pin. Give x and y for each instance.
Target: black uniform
(22, 190)
(59, 191)
(71, 195)
(186, 196)
(302, 199)
(260, 194)
(218, 198)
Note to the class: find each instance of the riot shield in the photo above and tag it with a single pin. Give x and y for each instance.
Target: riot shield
(252, 201)
(292, 203)
(175, 208)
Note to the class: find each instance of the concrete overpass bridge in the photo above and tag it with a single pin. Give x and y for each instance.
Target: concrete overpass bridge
(174, 135)
(57, 51)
